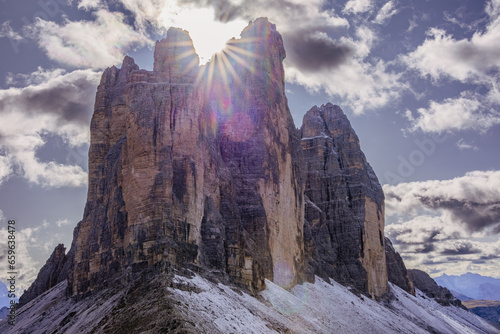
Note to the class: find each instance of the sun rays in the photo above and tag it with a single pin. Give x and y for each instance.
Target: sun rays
(219, 79)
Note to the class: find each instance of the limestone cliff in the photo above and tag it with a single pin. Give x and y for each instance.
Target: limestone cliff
(191, 166)
(202, 167)
(344, 203)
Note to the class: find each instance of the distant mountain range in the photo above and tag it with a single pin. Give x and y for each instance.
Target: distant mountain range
(471, 286)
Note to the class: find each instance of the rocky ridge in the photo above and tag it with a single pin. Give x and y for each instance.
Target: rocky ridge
(427, 285)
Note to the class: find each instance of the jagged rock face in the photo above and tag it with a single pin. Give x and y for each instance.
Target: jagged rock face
(344, 209)
(194, 167)
(53, 272)
(258, 145)
(427, 285)
(396, 269)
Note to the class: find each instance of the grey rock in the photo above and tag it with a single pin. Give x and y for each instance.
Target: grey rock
(53, 272)
(396, 269)
(344, 203)
(422, 281)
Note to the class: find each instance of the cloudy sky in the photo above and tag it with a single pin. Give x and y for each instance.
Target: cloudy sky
(418, 79)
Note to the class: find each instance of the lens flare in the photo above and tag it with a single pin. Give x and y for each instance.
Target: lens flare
(239, 127)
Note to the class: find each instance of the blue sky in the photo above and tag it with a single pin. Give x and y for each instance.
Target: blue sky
(419, 81)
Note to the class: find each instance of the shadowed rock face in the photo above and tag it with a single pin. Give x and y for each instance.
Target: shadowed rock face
(396, 269)
(344, 203)
(53, 272)
(422, 281)
(203, 167)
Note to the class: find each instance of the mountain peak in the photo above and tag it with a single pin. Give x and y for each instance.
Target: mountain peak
(207, 171)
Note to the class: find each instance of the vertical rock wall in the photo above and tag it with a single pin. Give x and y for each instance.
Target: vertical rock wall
(344, 203)
(192, 165)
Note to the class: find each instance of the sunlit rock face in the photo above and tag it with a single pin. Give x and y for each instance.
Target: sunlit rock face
(344, 213)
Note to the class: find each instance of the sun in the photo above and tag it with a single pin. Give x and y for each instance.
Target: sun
(209, 36)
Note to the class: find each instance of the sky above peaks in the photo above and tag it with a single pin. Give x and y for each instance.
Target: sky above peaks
(419, 81)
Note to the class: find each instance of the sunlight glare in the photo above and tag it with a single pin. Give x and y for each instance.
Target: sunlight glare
(209, 36)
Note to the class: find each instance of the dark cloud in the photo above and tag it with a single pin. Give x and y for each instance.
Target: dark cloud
(476, 216)
(226, 10)
(427, 248)
(432, 262)
(69, 98)
(309, 52)
(490, 257)
(415, 235)
(306, 50)
(464, 248)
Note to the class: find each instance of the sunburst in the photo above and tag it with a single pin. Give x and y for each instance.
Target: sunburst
(217, 79)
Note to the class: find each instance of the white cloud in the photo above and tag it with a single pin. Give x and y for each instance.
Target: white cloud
(5, 168)
(89, 4)
(61, 106)
(462, 145)
(358, 6)
(446, 226)
(475, 60)
(493, 8)
(26, 266)
(423, 229)
(39, 76)
(88, 44)
(386, 12)
(7, 31)
(413, 24)
(441, 56)
(364, 85)
(462, 113)
(63, 222)
(473, 199)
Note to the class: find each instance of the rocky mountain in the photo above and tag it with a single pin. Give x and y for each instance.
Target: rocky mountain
(194, 166)
(203, 194)
(474, 286)
(344, 203)
(53, 272)
(427, 285)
